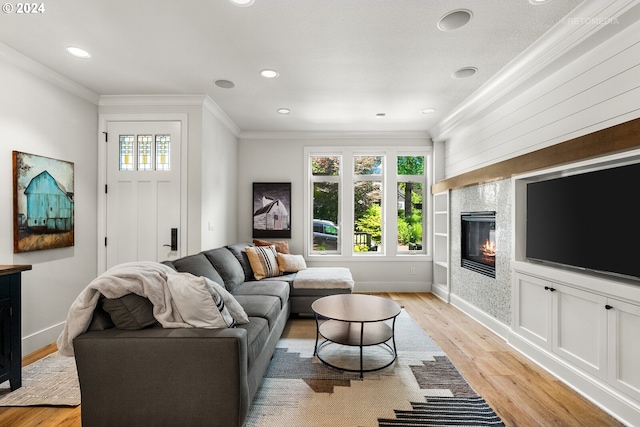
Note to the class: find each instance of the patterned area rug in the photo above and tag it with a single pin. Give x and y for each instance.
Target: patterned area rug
(50, 381)
(421, 388)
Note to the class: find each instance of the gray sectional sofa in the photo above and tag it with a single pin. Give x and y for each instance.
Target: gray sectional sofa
(133, 372)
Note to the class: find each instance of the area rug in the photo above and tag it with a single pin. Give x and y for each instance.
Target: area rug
(50, 381)
(421, 388)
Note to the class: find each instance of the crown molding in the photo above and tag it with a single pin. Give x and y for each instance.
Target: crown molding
(213, 108)
(150, 100)
(194, 100)
(580, 31)
(335, 135)
(29, 65)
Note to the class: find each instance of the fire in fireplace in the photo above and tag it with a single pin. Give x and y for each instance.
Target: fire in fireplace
(479, 242)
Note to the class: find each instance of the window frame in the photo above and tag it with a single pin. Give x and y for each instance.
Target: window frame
(346, 215)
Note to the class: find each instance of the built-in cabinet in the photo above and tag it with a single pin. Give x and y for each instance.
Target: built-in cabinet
(591, 331)
(623, 324)
(440, 285)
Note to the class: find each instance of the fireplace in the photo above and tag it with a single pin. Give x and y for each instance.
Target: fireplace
(479, 242)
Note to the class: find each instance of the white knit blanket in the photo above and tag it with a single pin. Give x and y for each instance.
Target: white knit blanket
(147, 279)
(323, 278)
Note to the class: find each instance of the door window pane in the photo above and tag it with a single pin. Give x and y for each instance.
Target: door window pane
(144, 153)
(163, 159)
(126, 153)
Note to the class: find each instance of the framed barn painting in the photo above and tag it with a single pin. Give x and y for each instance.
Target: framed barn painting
(272, 209)
(43, 203)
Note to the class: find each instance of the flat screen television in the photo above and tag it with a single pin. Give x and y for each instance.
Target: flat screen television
(587, 221)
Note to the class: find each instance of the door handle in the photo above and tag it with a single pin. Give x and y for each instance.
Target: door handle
(174, 240)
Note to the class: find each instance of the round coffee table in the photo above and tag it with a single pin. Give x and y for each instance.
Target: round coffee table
(355, 320)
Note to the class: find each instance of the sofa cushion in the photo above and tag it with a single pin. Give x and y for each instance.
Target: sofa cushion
(272, 288)
(130, 311)
(287, 277)
(288, 263)
(238, 251)
(257, 335)
(282, 246)
(100, 319)
(264, 306)
(198, 265)
(264, 261)
(227, 265)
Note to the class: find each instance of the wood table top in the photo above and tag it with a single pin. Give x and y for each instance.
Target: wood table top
(11, 269)
(356, 308)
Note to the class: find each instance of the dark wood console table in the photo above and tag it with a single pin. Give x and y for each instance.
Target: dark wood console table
(10, 325)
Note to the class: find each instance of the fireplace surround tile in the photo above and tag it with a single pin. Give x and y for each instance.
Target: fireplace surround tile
(492, 296)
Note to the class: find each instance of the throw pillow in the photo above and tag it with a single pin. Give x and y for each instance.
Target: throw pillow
(291, 263)
(196, 303)
(264, 261)
(235, 309)
(130, 312)
(282, 246)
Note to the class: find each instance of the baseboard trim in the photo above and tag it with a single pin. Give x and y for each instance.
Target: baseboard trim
(392, 287)
(41, 339)
(441, 292)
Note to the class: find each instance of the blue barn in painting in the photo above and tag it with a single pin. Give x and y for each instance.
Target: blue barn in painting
(49, 205)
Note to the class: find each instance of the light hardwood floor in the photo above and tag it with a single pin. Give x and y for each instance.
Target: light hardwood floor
(518, 390)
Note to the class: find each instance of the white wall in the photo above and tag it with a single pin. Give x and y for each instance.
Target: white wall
(280, 158)
(220, 168)
(40, 118)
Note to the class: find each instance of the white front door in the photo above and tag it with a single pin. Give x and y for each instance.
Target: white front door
(143, 191)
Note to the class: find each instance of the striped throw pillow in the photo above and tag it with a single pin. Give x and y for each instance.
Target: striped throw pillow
(264, 261)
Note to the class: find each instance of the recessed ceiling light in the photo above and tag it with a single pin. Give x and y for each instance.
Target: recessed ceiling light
(428, 110)
(78, 53)
(225, 84)
(537, 2)
(284, 110)
(243, 3)
(465, 72)
(454, 20)
(269, 74)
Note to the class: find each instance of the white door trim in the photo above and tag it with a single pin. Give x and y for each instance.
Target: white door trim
(104, 120)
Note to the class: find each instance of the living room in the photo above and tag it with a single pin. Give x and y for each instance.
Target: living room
(579, 79)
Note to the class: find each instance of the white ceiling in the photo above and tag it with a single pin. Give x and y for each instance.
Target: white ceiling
(340, 61)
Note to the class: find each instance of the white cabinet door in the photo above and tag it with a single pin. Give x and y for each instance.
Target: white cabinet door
(624, 347)
(532, 310)
(580, 323)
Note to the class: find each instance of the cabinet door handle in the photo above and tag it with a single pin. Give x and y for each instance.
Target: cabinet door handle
(547, 288)
(608, 307)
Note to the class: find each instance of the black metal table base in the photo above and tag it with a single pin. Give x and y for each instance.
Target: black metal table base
(360, 345)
